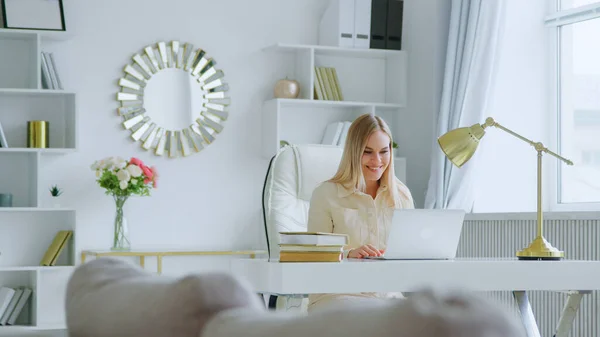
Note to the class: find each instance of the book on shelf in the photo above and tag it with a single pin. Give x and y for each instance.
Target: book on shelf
(312, 238)
(50, 78)
(336, 133)
(3, 142)
(18, 298)
(327, 85)
(56, 247)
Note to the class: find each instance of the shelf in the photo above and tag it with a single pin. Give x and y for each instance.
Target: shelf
(34, 268)
(336, 51)
(7, 328)
(36, 150)
(333, 104)
(33, 209)
(44, 34)
(34, 92)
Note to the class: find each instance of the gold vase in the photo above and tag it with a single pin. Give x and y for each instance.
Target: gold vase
(38, 135)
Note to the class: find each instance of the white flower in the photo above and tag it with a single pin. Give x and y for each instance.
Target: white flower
(123, 176)
(98, 173)
(133, 181)
(117, 162)
(134, 170)
(123, 184)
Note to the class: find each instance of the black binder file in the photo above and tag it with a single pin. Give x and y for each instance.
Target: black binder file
(379, 9)
(394, 24)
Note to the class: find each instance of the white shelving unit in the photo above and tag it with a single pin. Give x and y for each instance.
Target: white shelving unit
(371, 81)
(28, 228)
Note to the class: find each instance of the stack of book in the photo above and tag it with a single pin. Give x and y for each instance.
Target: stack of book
(327, 84)
(12, 302)
(311, 247)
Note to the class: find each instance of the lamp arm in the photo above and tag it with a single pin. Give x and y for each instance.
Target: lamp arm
(537, 145)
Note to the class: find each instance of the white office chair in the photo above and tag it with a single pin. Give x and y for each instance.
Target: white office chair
(293, 174)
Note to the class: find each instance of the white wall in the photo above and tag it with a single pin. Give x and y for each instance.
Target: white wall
(210, 200)
(425, 38)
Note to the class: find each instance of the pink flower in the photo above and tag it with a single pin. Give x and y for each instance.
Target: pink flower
(147, 180)
(136, 161)
(147, 172)
(155, 179)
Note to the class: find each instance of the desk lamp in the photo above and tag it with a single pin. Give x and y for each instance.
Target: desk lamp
(460, 144)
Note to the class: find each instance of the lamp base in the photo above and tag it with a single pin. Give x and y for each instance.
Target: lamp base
(540, 249)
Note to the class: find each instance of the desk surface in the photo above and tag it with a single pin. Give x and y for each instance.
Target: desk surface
(351, 276)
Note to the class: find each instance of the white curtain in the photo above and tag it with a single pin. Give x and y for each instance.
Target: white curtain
(474, 32)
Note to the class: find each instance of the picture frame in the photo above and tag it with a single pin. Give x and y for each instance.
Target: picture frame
(32, 14)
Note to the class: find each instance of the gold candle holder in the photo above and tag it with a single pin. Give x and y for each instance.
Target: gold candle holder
(38, 135)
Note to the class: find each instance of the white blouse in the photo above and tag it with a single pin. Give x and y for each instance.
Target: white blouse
(336, 209)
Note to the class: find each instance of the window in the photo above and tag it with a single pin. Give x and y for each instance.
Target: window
(576, 24)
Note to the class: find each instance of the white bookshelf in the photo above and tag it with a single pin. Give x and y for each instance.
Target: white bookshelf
(371, 81)
(28, 228)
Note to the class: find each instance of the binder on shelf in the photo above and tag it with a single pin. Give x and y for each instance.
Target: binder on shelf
(386, 24)
(379, 11)
(58, 244)
(394, 24)
(362, 23)
(336, 27)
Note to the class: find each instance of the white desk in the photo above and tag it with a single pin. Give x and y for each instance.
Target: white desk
(577, 277)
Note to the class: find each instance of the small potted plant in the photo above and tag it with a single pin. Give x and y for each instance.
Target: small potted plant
(55, 192)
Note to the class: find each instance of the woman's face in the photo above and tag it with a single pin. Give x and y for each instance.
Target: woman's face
(376, 157)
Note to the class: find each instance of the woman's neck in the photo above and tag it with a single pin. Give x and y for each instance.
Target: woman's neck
(372, 187)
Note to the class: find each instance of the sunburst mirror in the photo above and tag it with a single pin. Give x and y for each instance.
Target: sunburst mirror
(172, 99)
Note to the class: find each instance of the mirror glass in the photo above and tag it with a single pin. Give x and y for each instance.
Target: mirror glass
(172, 99)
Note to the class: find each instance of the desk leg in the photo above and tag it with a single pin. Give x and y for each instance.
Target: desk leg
(142, 261)
(526, 314)
(83, 256)
(159, 264)
(569, 311)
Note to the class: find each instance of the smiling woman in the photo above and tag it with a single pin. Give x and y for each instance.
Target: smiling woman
(359, 200)
(173, 99)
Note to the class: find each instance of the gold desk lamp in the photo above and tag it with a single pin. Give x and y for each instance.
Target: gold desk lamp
(460, 144)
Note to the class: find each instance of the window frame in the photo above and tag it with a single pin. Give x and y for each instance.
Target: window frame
(555, 21)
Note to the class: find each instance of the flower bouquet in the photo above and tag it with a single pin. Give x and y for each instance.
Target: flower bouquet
(123, 178)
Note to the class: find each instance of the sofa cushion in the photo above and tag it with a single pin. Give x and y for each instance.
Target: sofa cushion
(111, 298)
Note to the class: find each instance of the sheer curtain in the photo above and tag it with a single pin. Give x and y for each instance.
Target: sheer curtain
(474, 32)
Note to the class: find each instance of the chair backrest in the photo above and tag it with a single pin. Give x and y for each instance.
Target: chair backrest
(293, 174)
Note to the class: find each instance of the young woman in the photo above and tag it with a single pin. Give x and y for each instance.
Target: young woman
(360, 198)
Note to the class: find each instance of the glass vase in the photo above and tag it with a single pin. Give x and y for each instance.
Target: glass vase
(121, 234)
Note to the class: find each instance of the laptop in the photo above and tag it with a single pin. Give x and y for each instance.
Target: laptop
(423, 234)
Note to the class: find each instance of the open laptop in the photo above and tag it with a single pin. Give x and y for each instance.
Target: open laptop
(424, 234)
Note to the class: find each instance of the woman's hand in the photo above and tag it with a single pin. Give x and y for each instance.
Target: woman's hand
(363, 251)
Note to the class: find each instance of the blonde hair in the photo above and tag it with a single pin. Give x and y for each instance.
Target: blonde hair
(349, 173)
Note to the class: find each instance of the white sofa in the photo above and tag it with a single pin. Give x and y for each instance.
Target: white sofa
(112, 298)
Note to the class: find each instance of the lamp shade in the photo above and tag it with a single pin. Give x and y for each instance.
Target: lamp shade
(460, 144)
